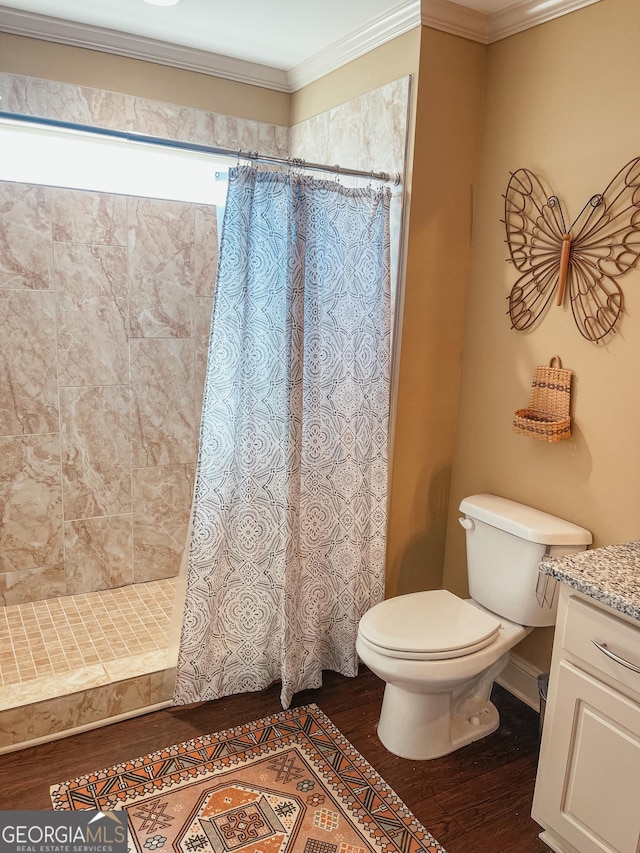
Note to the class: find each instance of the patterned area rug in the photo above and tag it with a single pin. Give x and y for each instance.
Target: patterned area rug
(289, 783)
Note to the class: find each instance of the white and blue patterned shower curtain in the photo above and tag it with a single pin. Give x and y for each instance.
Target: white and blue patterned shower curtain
(289, 517)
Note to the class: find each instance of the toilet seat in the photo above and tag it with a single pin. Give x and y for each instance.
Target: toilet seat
(431, 625)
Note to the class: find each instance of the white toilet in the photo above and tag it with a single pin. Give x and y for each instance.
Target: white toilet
(439, 654)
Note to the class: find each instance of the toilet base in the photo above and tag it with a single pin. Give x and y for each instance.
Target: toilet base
(419, 726)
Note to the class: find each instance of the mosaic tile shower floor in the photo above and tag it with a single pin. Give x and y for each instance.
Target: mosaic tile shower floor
(99, 636)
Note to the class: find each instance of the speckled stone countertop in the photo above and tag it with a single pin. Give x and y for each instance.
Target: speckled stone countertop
(610, 574)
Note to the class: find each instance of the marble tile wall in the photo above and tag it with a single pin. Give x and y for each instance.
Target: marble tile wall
(105, 306)
(366, 133)
(78, 104)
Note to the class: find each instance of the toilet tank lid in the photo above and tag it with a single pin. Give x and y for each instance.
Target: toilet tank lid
(524, 521)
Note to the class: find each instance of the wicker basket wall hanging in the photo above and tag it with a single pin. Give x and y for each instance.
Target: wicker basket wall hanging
(548, 416)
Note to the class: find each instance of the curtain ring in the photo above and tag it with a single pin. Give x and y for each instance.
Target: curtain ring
(337, 177)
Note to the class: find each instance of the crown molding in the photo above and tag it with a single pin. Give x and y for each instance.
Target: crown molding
(456, 19)
(522, 16)
(32, 25)
(488, 28)
(378, 31)
(440, 14)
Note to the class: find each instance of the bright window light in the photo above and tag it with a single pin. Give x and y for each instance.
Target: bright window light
(63, 158)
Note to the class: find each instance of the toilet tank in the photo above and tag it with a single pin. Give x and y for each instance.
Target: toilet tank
(505, 543)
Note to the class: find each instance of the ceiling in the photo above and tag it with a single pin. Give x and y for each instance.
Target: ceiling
(284, 36)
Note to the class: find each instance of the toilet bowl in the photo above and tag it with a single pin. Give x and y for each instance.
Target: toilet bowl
(437, 694)
(440, 654)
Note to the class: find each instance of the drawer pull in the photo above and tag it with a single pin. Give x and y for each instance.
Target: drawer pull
(605, 651)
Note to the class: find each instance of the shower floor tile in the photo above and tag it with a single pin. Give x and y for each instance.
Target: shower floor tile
(42, 640)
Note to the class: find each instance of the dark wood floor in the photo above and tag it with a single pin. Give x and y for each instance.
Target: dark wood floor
(475, 800)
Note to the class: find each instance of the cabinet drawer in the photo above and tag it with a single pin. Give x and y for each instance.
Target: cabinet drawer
(586, 625)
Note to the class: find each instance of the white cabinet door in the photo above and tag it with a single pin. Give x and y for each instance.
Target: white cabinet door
(588, 784)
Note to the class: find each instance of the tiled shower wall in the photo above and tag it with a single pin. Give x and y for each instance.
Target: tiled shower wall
(105, 303)
(368, 132)
(105, 306)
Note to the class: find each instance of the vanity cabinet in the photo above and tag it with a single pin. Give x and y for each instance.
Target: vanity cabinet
(587, 793)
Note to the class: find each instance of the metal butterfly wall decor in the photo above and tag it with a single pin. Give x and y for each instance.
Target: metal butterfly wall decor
(587, 258)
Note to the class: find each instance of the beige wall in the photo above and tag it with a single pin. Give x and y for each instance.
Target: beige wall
(50, 61)
(449, 105)
(561, 100)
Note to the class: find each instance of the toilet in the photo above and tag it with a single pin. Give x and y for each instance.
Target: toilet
(439, 654)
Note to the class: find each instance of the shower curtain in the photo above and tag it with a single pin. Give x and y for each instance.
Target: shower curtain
(289, 516)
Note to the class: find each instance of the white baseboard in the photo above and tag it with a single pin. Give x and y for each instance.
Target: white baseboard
(555, 844)
(521, 678)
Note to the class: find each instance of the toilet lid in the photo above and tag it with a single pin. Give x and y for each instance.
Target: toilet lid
(432, 625)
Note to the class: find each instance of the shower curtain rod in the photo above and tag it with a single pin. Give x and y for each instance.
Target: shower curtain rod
(253, 156)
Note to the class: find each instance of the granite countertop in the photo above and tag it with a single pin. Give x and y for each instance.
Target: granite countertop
(610, 574)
